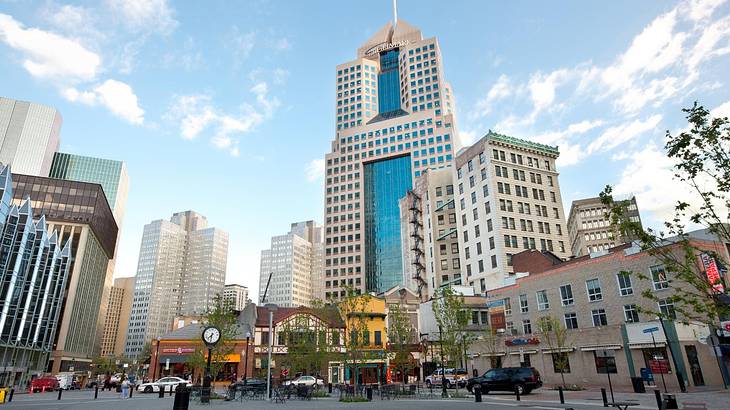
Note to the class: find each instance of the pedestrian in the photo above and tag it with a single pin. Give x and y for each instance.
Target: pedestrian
(125, 388)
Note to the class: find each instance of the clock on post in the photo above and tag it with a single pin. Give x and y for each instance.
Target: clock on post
(211, 336)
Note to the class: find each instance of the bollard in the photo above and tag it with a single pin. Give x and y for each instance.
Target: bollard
(12, 391)
(560, 393)
(658, 396)
(517, 393)
(477, 393)
(603, 396)
(369, 393)
(59, 393)
(170, 390)
(43, 389)
(96, 392)
(329, 388)
(161, 392)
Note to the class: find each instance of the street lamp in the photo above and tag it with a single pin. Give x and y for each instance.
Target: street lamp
(272, 308)
(157, 360)
(245, 360)
(443, 371)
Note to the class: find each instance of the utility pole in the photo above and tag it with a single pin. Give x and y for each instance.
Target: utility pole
(444, 394)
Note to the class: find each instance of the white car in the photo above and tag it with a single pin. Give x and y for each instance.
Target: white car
(304, 381)
(164, 383)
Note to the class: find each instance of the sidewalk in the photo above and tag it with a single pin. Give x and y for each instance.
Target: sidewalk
(712, 399)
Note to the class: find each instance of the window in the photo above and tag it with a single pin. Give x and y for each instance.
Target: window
(599, 317)
(566, 295)
(594, 290)
(571, 321)
(378, 338)
(494, 261)
(624, 284)
(659, 277)
(631, 314)
(561, 363)
(542, 300)
(524, 308)
(507, 306)
(526, 327)
(666, 306)
(605, 364)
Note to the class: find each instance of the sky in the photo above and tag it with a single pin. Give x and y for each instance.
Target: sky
(227, 108)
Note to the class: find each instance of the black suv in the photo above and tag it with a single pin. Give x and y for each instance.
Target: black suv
(522, 379)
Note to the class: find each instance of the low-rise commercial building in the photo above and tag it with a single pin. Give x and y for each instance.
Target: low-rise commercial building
(605, 313)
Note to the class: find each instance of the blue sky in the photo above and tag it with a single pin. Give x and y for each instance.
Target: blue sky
(227, 108)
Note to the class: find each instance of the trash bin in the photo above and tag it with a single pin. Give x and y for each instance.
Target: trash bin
(477, 393)
(2, 395)
(671, 401)
(638, 384)
(182, 397)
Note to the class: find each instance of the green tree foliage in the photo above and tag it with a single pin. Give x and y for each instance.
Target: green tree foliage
(556, 337)
(490, 342)
(222, 316)
(355, 310)
(310, 341)
(701, 157)
(401, 337)
(452, 316)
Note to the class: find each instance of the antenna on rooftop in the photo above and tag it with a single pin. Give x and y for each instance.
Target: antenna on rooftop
(395, 12)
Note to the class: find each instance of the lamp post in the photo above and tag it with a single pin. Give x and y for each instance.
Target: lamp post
(272, 308)
(245, 360)
(157, 360)
(444, 394)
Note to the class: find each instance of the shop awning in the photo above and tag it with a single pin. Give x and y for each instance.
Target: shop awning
(646, 345)
(523, 352)
(556, 350)
(174, 359)
(493, 354)
(591, 348)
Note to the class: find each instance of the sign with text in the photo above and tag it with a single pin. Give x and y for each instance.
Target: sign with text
(651, 329)
(178, 350)
(659, 366)
(713, 274)
(522, 341)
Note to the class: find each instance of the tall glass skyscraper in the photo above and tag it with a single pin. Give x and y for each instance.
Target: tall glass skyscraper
(394, 120)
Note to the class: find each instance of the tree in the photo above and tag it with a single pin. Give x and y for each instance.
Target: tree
(401, 336)
(491, 345)
(701, 157)
(452, 317)
(310, 341)
(222, 316)
(555, 336)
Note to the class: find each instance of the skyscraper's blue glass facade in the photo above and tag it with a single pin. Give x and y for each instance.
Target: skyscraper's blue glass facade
(385, 182)
(388, 83)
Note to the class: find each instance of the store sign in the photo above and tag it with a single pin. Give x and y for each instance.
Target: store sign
(712, 272)
(178, 350)
(385, 46)
(659, 366)
(522, 341)
(497, 320)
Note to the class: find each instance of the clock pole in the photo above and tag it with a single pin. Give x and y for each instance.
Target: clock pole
(211, 336)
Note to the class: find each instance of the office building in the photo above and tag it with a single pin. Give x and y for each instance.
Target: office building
(589, 226)
(394, 120)
(603, 309)
(181, 268)
(507, 199)
(79, 212)
(116, 318)
(428, 215)
(29, 135)
(34, 272)
(291, 266)
(236, 295)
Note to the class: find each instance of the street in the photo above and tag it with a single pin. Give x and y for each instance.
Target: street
(545, 399)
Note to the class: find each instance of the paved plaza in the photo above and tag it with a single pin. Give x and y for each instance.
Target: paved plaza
(543, 399)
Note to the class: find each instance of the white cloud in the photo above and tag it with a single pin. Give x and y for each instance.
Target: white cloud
(722, 110)
(570, 154)
(542, 88)
(280, 76)
(584, 126)
(241, 44)
(315, 169)
(196, 114)
(48, 55)
(702, 9)
(501, 89)
(617, 135)
(116, 96)
(282, 44)
(468, 137)
(145, 15)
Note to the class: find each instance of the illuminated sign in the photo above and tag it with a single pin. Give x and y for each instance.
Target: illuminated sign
(178, 350)
(385, 46)
(713, 274)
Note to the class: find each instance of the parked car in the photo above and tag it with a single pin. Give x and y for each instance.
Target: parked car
(163, 383)
(522, 379)
(44, 383)
(254, 384)
(454, 377)
(67, 381)
(305, 381)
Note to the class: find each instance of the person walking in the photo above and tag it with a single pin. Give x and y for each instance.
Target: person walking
(125, 388)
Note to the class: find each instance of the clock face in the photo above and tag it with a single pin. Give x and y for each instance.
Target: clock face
(211, 335)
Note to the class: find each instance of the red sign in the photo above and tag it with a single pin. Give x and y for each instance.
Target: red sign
(713, 274)
(497, 320)
(285, 372)
(659, 366)
(178, 350)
